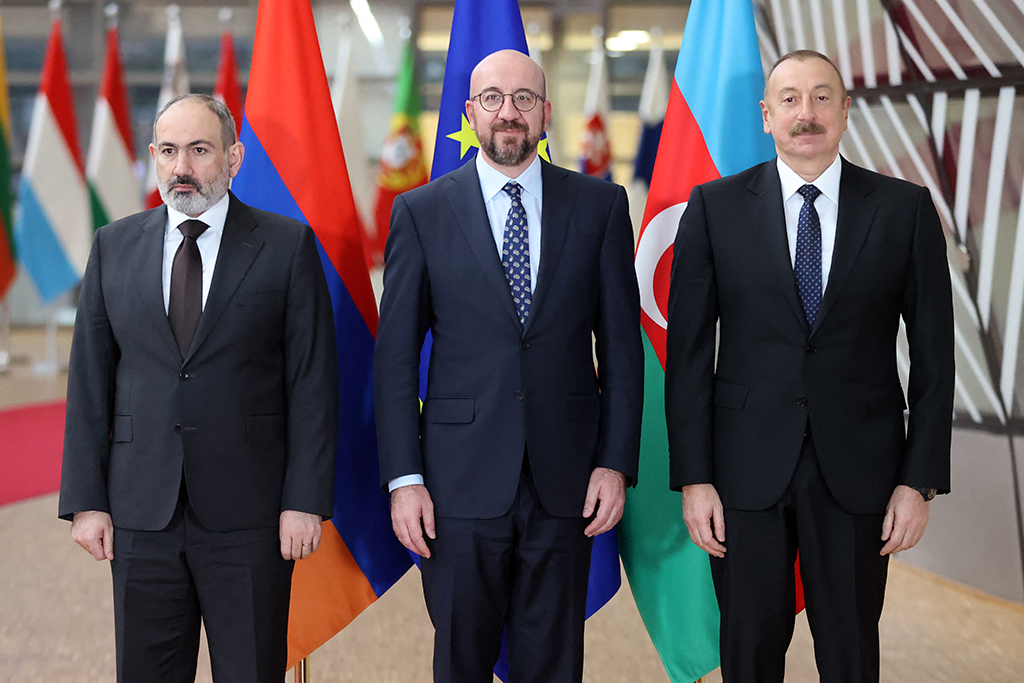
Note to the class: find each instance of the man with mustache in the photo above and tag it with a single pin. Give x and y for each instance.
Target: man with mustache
(523, 451)
(202, 413)
(788, 434)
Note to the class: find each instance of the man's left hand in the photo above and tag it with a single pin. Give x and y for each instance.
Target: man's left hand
(300, 534)
(607, 494)
(906, 516)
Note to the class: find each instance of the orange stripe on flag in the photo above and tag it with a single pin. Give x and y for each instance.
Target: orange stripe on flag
(329, 590)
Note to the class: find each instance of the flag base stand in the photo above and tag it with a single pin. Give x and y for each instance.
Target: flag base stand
(51, 365)
(302, 671)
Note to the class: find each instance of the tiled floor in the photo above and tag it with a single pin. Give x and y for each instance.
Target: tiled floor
(56, 624)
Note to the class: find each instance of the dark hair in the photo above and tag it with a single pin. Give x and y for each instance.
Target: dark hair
(803, 56)
(227, 122)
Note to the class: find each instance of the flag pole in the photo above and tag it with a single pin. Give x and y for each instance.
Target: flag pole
(302, 670)
(5, 335)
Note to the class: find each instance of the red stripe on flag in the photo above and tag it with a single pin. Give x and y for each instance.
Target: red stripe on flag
(683, 159)
(227, 89)
(113, 91)
(57, 90)
(308, 158)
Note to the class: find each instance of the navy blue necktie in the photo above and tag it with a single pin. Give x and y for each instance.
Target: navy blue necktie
(515, 253)
(807, 264)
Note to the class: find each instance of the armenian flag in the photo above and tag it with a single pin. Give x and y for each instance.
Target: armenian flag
(294, 165)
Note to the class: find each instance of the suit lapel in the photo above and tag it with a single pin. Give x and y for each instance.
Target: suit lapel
(151, 283)
(467, 204)
(767, 204)
(556, 212)
(238, 248)
(856, 215)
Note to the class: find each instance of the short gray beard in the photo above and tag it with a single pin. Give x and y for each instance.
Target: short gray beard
(508, 155)
(200, 201)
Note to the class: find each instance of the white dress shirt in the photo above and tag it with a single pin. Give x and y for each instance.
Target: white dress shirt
(826, 204)
(498, 202)
(208, 243)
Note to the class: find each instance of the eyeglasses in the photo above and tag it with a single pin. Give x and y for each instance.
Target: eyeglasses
(492, 99)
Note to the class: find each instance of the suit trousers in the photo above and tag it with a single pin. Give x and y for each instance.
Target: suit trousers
(525, 571)
(843, 578)
(167, 581)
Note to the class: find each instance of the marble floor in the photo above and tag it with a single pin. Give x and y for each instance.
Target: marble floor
(56, 624)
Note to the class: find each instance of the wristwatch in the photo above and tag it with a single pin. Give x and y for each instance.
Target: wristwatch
(926, 493)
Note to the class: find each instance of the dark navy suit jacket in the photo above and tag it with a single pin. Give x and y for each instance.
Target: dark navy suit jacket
(495, 389)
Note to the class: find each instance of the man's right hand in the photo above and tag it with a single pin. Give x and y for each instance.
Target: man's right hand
(94, 531)
(412, 513)
(705, 518)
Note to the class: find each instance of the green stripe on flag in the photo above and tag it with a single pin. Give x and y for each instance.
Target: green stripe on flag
(99, 214)
(669, 576)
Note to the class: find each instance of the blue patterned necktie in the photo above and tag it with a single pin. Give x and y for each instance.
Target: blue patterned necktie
(807, 265)
(515, 253)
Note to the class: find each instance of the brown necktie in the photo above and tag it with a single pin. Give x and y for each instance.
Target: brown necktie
(186, 305)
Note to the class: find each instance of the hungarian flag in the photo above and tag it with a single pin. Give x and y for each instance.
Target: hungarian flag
(8, 254)
(54, 226)
(175, 84)
(712, 128)
(226, 88)
(114, 190)
(402, 166)
(294, 165)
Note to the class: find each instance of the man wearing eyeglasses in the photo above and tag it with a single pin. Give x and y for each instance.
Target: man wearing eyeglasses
(520, 270)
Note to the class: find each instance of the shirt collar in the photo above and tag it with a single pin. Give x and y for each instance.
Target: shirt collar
(827, 182)
(213, 217)
(492, 180)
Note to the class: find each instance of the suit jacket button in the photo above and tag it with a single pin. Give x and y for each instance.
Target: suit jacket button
(802, 401)
(810, 348)
(177, 429)
(184, 375)
(525, 345)
(520, 395)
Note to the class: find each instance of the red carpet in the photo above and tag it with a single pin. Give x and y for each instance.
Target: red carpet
(31, 441)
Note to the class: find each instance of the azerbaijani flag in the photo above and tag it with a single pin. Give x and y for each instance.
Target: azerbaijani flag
(54, 227)
(8, 255)
(480, 27)
(712, 128)
(114, 190)
(294, 165)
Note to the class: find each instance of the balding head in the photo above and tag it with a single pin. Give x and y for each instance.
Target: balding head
(510, 62)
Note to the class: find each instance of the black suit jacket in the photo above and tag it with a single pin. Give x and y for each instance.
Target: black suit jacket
(495, 388)
(737, 420)
(250, 413)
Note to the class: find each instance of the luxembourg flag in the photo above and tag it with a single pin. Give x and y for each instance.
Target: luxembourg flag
(113, 187)
(712, 128)
(54, 226)
(294, 165)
